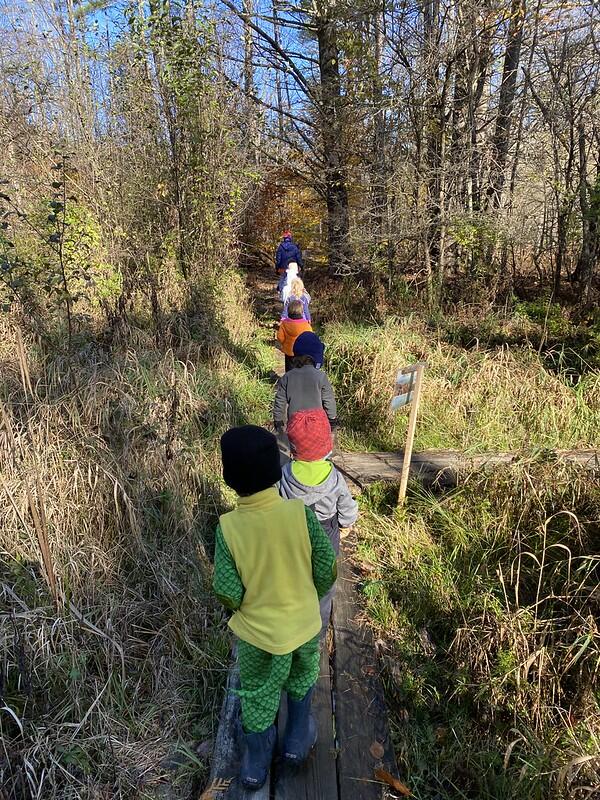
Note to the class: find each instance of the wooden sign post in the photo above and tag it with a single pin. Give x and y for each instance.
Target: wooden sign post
(408, 390)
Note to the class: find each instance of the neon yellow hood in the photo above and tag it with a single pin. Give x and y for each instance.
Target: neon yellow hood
(311, 473)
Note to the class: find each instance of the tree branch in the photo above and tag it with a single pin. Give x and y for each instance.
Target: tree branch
(247, 19)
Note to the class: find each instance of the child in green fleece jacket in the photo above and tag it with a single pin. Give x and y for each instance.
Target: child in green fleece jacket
(273, 562)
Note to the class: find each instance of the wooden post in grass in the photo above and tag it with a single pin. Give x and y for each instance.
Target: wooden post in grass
(408, 390)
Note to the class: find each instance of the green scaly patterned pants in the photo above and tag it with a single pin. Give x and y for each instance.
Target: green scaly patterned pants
(264, 676)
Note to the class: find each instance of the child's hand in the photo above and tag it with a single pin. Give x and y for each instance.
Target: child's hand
(345, 532)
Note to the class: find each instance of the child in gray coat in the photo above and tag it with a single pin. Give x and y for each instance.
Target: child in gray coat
(312, 478)
(304, 386)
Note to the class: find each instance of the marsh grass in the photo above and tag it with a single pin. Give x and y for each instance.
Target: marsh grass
(486, 602)
(473, 400)
(112, 649)
(485, 599)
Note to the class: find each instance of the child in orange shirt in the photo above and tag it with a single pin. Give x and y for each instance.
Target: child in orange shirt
(290, 328)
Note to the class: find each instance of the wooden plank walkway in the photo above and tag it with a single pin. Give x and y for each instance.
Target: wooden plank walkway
(350, 712)
(318, 778)
(446, 467)
(360, 712)
(348, 705)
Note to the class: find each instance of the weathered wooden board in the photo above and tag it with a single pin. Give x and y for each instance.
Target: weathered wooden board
(445, 467)
(284, 448)
(318, 777)
(226, 756)
(359, 705)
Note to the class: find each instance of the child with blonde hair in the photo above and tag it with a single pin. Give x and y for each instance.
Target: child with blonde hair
(290, 275)
(298, 292)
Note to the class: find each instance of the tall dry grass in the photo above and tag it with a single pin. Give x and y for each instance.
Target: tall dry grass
(113, 648)
(486, 601)
(473, 400)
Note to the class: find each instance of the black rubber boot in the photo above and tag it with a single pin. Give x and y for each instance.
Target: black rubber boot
(257, 757)
(300, 731)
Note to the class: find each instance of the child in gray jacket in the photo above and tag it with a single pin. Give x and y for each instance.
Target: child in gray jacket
(304, 386)
(313, 479)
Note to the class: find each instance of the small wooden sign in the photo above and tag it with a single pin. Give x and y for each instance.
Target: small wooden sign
(408, 391)
(405, 385)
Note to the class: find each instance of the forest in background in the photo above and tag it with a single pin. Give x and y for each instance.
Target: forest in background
(439, 164)
(453, 145)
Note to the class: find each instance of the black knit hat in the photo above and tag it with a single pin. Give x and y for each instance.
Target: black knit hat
(250, 459)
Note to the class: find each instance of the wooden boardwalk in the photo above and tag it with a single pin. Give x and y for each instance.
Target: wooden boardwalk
(353, 735)
(447, 467)
(348, 704)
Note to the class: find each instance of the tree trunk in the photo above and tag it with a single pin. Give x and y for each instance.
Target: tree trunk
(434, 153)
(248, 51)
(340, 248)
(562, 225)
(501, 139)
(590, 219)
(250, 109)
(278, 91)
(378, 154)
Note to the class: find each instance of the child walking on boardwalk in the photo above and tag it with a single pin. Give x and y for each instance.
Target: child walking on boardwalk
(298, 292)
(290, 328)
(306, 385)
(287, 253)
(273, 562)
(313, 479)
(291, 274)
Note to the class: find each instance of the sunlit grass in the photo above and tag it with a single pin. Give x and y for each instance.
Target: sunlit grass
(503, 399)
(102, 691)
(484, 601)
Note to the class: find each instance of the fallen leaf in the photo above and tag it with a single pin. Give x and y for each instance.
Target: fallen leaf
(377, 750)
(385, 777)
(218, 785)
